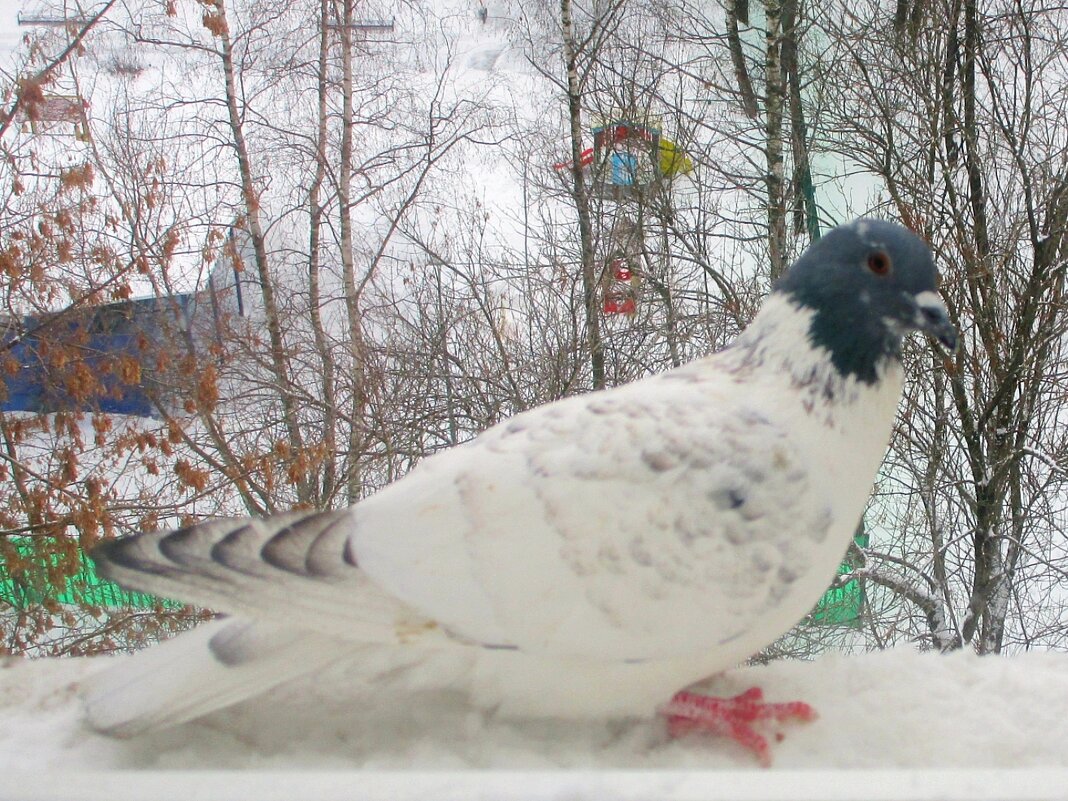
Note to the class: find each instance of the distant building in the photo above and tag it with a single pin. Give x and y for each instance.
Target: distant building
(107, 357)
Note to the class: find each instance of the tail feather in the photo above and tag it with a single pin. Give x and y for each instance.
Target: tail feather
(287, 568)
(212, 667)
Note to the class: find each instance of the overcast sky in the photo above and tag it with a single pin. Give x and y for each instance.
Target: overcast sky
(10, 33)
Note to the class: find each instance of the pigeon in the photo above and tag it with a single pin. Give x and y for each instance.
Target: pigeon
(594, 557)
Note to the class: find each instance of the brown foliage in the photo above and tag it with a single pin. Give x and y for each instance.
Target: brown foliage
(216, 23)
(80, 177)
(207, 391)
(190, 476)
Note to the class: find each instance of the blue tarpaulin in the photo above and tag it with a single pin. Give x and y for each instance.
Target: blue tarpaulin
(100, 336)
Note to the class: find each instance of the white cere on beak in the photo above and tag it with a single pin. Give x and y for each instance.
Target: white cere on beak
(928, 301)
(932, 317)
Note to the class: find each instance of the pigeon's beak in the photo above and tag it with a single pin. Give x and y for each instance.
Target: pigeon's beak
(932, 318)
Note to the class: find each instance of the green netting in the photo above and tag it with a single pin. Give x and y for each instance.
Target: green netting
(841, 606)
(31, 583)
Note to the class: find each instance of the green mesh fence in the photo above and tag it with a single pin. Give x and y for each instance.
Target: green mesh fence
(841, 606)
(31, 583)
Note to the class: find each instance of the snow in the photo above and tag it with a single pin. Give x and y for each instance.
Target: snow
(893, 712)
(978, 785)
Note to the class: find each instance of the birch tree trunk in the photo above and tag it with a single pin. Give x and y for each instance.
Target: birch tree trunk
(774, 100)
(581, 197)
(316, 213)
(250, 194)
(804, 191)
(357, 351)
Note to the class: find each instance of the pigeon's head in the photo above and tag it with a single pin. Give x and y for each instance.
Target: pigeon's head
(869, 283)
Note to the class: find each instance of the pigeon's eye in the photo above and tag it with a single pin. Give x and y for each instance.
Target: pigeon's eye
(879, 262)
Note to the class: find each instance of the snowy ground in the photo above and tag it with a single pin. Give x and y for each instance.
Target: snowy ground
(882, 713)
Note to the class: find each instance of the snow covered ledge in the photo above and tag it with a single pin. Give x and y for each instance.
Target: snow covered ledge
(613, 785)
(896, 724)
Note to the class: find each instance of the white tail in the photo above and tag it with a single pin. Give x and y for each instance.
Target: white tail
(216, 665)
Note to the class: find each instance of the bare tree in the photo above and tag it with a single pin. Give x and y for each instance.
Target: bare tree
(959, 128)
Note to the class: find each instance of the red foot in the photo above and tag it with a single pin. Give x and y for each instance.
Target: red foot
(689, 713)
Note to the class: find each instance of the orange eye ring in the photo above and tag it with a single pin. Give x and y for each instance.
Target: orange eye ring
(879, 262)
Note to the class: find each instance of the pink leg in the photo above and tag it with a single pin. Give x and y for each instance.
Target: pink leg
(692, 713)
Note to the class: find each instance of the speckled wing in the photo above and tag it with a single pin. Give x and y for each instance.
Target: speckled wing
(657, 520)
(661, 519)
